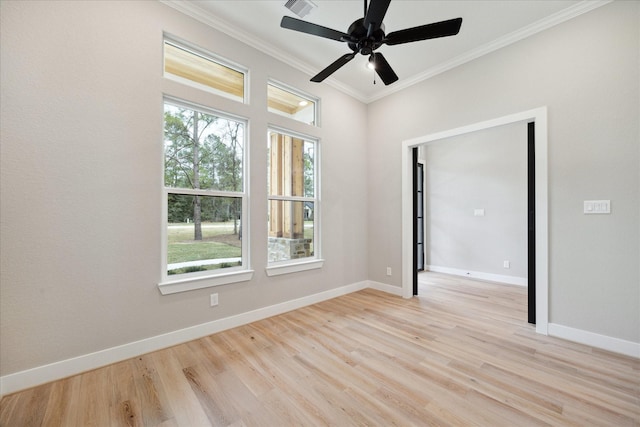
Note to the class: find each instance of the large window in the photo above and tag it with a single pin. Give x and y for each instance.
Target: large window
(206, 206)
(205, 235)
(293, 202)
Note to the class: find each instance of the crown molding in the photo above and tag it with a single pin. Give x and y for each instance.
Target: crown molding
(524, 32)
(191, 9)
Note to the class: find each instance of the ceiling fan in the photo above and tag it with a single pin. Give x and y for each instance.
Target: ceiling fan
(366, 35)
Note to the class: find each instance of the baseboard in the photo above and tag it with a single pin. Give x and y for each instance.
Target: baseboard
(58, 370)
(390, 289)
(616, 345)
(510, 280)
(66, 368)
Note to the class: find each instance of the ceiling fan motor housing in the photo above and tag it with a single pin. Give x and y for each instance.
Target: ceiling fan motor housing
(359, 42)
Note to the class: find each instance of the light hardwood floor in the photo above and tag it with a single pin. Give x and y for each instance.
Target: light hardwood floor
(460, 354)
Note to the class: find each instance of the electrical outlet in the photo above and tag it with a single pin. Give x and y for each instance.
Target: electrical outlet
(506, 264)
(388, 271)
(214, 300)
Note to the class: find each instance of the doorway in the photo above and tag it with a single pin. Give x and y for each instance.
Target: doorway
(538, 118)
(491, 168)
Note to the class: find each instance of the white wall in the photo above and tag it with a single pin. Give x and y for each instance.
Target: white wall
(484, 170)
(586, 71)
(81, 179)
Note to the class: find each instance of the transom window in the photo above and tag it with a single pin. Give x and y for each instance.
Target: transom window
(289, 102)
(203, 70)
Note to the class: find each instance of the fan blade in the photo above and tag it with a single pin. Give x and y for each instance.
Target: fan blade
(313, 29)
(383, 69)
(424, 32)
(375, 14)
(333, 67)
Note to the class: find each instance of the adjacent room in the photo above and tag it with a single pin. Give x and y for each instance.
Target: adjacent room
(207, 213)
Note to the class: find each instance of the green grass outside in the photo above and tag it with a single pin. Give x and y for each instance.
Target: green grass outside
(194, 251)
(218, 241)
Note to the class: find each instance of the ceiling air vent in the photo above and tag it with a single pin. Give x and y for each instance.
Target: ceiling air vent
(300, 7)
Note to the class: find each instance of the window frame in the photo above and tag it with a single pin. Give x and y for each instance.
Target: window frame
(316, 261)
(170, 284)
(207, 55)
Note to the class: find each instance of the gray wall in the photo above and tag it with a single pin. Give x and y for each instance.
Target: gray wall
(81, 171)
(586, 71)
(482, 170)
(81, 179)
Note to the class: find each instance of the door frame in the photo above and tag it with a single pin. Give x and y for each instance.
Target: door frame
(419, 207)
(417, 200)
(531, 222)
(539, 117)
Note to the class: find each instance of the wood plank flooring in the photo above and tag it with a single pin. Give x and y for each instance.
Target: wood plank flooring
(460, 354)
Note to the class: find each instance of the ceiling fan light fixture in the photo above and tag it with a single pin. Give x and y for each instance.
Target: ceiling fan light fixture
(300, 7)
(371, 64)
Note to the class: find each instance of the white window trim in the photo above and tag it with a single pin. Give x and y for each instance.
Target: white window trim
(204, 279)
(286, 267)
(316, 261)
(192, 283)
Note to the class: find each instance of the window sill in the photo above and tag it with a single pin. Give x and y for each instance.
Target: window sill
(192, 283)
(277, 270)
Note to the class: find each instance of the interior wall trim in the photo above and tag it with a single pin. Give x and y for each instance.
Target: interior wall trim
(390, 289)
(504, 41)
(192, 9)
(55, 371)
(479, 275)
(195, 11)
(604, 342)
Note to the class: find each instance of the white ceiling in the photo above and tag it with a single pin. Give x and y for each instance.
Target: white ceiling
(486, 26)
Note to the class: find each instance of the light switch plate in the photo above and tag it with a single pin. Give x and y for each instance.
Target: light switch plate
(596, 207)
